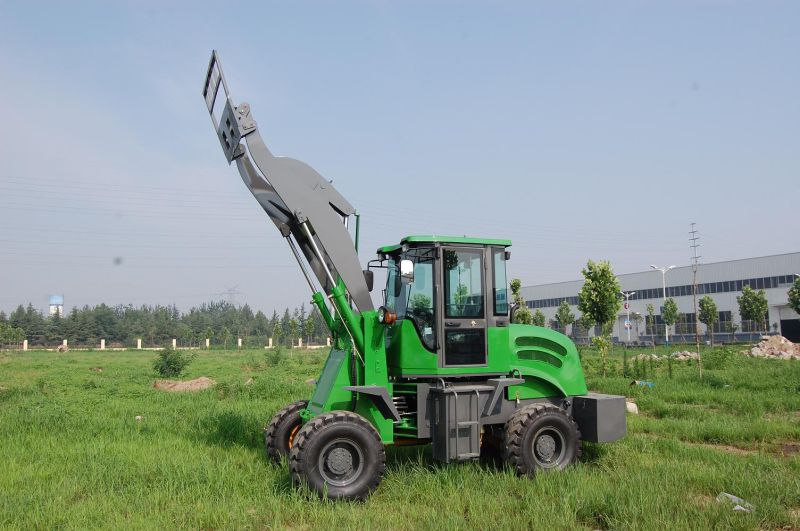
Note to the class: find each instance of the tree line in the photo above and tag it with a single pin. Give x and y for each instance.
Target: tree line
(220, 322)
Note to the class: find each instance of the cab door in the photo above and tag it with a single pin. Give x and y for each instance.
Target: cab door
(463, 307)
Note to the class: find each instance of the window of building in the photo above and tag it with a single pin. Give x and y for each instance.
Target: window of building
(723, 324)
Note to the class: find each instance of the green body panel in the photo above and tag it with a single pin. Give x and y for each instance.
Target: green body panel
(330, 393)
(547, 360)
(388, 249)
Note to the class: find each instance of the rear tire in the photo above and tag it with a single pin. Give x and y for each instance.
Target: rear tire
(541, 437)
(339, 455)
(279, 435)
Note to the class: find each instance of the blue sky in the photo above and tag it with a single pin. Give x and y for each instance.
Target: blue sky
(577, 129)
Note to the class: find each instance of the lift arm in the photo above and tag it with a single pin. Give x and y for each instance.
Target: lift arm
(306, 209)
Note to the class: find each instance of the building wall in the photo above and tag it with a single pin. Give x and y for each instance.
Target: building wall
(775, 272)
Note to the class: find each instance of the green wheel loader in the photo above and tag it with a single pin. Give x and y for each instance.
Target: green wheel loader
(440, 362)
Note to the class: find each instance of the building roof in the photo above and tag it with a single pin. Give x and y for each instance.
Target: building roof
(713, 269)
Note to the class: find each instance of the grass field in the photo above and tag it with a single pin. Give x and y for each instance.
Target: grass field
(74, 455)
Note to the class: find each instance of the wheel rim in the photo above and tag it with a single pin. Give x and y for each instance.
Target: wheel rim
(340, 462)
(548, 447)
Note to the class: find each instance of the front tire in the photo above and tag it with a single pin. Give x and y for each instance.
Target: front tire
(541, 437)
(279, 435)
(339, 455)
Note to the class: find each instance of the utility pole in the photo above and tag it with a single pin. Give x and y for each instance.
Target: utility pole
(694, 238)
(664, 288)
(230, 294)
(627, 296)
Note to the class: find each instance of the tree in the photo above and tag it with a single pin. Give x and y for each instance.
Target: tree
(564, 316)
(538, 318)
(753, 306)
(308, 327)
(521, 313)
(794, 295)
(583, 324)
(637, 319)
(277, 333)
(670, 312)
(708, 315)
(651, 321)
(226, 335)
(260, 323)
(419, 301)
(599, 300)
(293, 330)
(286, 326)
(18, 336)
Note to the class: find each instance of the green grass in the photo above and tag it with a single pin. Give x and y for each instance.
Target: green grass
(73, 454)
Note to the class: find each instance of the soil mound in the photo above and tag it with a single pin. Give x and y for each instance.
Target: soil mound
(684, 355)
(777, 348)
(176, 386)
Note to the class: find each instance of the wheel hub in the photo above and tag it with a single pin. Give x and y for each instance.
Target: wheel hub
(549, 447)
(340, 461)
(546, 447)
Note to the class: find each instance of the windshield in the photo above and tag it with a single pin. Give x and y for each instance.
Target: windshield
(414, 301)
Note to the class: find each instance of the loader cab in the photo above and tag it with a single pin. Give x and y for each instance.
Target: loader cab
(447, 294)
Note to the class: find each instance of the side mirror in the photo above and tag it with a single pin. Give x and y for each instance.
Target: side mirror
(369, 277)
(508, 256)
(407, 271)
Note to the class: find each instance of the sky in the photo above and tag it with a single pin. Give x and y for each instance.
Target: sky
(576, 129)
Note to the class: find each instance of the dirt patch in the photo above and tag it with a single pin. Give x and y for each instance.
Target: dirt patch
(790, 449)
(176, 386)
(776, 348)
(782, 449)
(725, 448)
(704, 500)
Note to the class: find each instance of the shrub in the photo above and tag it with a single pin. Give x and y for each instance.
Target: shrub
(171, 363)
(274, 356)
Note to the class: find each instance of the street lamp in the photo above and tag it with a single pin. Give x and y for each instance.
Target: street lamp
(627, 296)
(664, 288)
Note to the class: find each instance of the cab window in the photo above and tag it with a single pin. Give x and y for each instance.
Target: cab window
(500, 282)
(463, 287)
(414, 301)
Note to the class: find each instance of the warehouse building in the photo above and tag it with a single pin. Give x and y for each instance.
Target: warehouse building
(722, 281)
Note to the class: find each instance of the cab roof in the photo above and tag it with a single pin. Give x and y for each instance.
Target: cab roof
(387, 249)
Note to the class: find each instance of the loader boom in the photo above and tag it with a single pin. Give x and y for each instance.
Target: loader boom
(307, 210)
